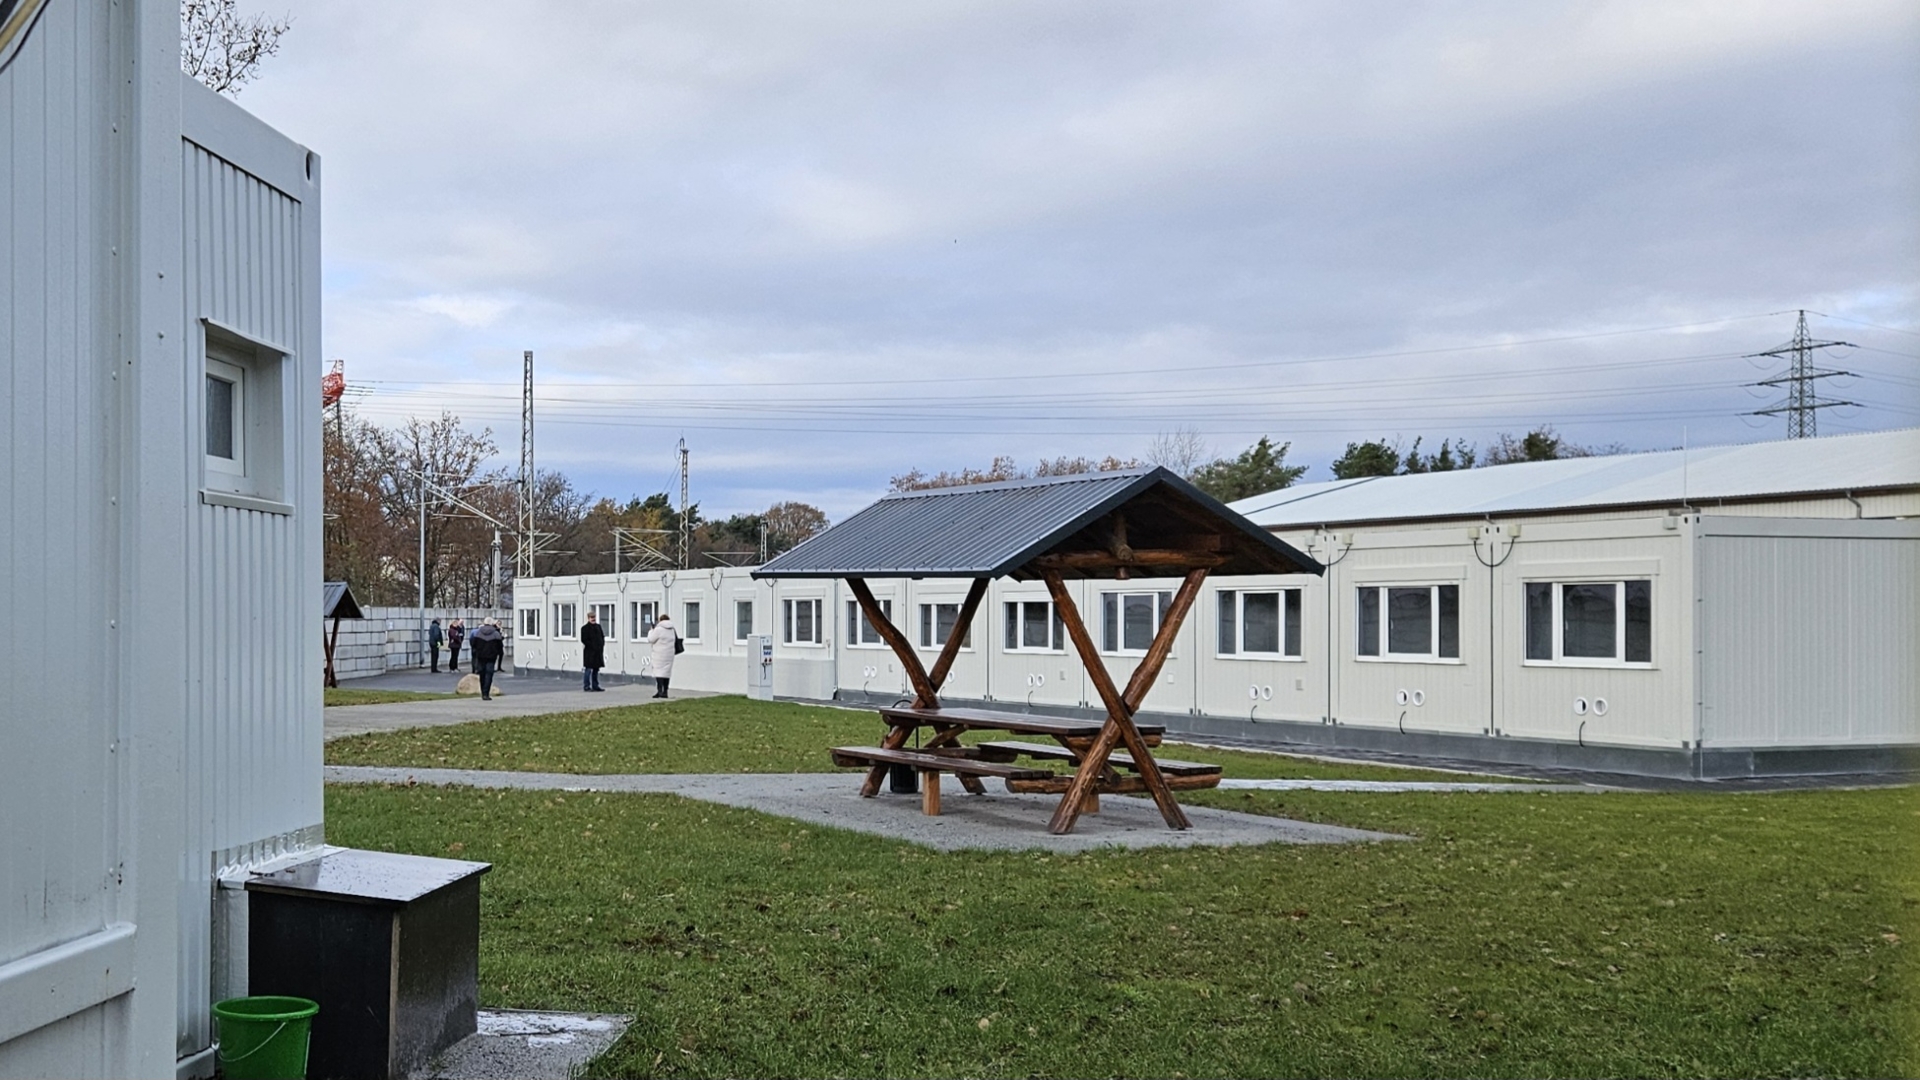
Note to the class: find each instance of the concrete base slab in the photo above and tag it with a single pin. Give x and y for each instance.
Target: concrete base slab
(997, 821)
(519, 1045)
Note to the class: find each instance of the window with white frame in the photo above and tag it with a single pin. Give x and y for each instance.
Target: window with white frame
(241, 410)
(605, 613)
(1408, 622)
(861, 632)
(563, 621)
(1590, 622)
(1259, 623)
(1033, 626)
(936, 626)
(742, 621)
(1128, 620)
(690, 621)
(643, 613)
(800, 622)
(530, 622)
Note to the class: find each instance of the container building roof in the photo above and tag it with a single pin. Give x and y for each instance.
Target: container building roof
(1833, 465)
(1105, 524)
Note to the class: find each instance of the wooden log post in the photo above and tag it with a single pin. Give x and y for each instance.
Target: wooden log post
(1119, 727)
(926, 687)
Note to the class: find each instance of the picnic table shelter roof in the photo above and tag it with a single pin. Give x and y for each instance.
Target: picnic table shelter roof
(1085, 525)
(337, 601)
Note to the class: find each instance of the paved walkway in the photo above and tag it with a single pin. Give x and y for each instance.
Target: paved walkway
(516, 695)
(998, 821)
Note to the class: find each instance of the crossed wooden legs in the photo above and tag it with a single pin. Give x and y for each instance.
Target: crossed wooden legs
(1119, 728)
(926, 688)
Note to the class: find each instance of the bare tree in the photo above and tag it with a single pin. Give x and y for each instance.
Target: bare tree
(1181, 450)
(221, 47)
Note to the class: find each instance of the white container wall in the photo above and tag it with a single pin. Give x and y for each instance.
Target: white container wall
(95, 480)
(1561, 641)
(251, 277)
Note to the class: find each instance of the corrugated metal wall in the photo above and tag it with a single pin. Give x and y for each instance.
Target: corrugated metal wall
(253, 730)
(1807, 633)
(57, 790)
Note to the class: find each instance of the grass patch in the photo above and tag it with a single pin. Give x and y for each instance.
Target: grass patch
(723, 734)
(336, 695)
(1669, 934)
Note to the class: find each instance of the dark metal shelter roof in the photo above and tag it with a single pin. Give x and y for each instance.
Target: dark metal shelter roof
(1105, 525)
(337, 602)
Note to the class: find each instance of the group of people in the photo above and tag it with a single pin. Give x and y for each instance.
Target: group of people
(486, 647)
(663, 641)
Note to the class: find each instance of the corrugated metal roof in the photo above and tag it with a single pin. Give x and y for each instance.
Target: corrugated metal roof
(990, 530)
(337, 601)
(1831, 465)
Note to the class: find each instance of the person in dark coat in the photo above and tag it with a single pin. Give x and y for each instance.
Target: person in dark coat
(434, 640)
(456, 633)
(487, 648)
(593, 653)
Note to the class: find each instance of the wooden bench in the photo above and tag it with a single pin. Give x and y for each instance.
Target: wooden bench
(1008, 751)
(958, 760)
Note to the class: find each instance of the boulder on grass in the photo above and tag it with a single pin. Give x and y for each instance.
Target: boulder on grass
(470, 686)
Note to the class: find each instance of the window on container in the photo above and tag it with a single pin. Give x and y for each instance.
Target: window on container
(1408, 622)
(605, 613)
(1128, 621)
(936, 625)
(240, 422)
(860, 630)
(800, 622)
(742, 621)
(1033, 626)
(1260, 624)
(644, 614)
(1589, 622)
(563, 621)
(690, 623)
(530, 622)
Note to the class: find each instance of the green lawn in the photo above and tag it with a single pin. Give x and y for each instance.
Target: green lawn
(345, 696)
(1518, 935)
(720, 734)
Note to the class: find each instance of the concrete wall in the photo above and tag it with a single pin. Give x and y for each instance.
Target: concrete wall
(389, 639)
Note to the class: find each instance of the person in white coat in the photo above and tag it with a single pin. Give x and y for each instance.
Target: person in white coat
(664, 640)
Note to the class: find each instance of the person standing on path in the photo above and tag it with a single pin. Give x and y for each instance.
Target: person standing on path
(434, 638)
(488, 647)
(456, 633)
(593, 652)
(664, 641)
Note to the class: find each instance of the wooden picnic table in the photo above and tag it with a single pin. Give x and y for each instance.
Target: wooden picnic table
(1074, 741)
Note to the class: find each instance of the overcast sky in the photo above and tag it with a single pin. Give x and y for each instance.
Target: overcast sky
(831, 242)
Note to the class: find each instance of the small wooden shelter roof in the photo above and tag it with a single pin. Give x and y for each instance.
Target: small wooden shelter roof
(337, 601)
(1125, 523)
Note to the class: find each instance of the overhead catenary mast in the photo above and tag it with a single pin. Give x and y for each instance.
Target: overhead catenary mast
(686, 523)
(1802, 405)
(523, 555)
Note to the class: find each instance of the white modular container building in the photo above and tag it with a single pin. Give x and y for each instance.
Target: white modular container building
(1718, 612)
(159, 463)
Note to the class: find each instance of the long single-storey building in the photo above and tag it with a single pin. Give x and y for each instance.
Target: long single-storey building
(1715, 612)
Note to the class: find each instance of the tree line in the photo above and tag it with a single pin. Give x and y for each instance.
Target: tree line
(378, 481)
(1263, 467)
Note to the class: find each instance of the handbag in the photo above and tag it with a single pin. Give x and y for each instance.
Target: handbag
(679, 644)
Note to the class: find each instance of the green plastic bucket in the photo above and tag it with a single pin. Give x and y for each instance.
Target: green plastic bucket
(264, 1038)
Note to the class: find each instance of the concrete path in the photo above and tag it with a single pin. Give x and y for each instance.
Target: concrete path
(1402, 785)
(519, 695)
(999, 821)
